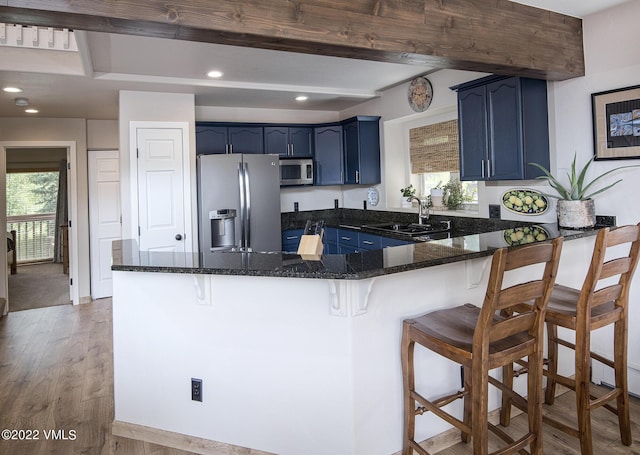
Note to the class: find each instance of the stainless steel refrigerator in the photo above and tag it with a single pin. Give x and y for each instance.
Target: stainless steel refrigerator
(239, 203)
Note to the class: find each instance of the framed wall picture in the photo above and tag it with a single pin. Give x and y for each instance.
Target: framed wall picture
(616, 123)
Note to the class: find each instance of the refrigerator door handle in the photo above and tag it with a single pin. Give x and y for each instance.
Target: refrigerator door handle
(243, 204)
(247, 220)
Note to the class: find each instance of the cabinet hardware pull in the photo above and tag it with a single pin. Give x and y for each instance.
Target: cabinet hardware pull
(367, 242)
(488, 168)
(346, 238)
(482, 168)
(291, 149)
(357, 176)
(292, 237)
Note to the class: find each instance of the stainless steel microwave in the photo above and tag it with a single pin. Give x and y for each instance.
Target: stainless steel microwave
(296, 171)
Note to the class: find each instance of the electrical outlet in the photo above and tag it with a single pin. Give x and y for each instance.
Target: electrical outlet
(494, 211)
(196, 389)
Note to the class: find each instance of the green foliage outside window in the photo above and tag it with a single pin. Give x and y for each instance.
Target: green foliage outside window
(30, 193)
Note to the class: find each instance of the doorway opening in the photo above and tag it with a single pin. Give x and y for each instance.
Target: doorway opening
(38, 204)
(37, 217)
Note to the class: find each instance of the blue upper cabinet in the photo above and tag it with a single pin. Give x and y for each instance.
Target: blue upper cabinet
(211, 140)
(214, 139)
(301, 140)
(346, 152)
(472, 133)
(328, 155)
(289, 141)
(246, 139)
(361, 150)
(503, 126)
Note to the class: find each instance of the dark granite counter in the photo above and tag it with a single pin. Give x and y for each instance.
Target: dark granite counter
(355, 266)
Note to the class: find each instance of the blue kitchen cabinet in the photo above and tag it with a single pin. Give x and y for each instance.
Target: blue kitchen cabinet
(388, 241)
(341, 241)
(330, 240)
(328, 155)
(502, 126)
(369, 241)
(212, 138)
(347, 241)
(291, 240)
(246, 139)
(361, 144)
(289, 141)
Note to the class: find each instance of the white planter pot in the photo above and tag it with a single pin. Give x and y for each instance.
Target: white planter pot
(404, 203)
(437, 196)
(576, 214)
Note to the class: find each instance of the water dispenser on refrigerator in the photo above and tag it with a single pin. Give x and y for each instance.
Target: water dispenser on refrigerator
(223, 229)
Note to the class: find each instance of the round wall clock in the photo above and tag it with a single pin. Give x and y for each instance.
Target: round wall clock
(420, 94)
(373, 196)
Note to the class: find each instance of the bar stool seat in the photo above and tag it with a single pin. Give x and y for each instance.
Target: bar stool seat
(482, 339)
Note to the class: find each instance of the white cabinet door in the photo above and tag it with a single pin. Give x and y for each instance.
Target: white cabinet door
(161, 189)
(104, 217)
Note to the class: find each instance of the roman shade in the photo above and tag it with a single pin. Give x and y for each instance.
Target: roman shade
(434, 148)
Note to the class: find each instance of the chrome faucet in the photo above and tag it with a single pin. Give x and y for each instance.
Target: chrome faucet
(423, 209)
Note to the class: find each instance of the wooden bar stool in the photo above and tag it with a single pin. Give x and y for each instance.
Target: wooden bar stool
(594, 306)
(482, 339)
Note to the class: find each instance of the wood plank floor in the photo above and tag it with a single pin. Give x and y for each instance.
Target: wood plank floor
(56, 373)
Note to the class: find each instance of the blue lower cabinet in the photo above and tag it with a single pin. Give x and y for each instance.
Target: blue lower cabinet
(341, 241)
(346, 249)
(348, 238)
(369, 241)
(386, 242)
(330, 248)
(291, 240)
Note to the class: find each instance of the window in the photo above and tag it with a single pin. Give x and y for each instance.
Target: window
(430, 180)
(31, 212)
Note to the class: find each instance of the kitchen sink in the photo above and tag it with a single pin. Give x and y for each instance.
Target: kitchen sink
(412, 229)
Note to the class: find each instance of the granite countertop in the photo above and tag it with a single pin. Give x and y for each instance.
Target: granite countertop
(463, 245)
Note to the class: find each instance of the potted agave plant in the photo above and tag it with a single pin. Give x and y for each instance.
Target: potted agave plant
(576, 208)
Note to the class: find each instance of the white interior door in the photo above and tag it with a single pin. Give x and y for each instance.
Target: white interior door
(104, 217)
(161, 189)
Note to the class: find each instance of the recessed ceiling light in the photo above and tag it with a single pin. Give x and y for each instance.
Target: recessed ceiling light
(31, 111)
(302, 98)
(215, 74)
(12, 89)
(22, 102)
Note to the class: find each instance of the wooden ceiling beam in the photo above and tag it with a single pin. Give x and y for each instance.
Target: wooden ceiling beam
(497, 36)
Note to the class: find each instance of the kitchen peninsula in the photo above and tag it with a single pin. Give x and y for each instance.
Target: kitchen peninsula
(294, 356)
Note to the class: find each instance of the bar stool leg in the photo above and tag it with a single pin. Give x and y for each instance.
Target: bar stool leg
(552, 356)
(505, 410)
(466, 416)
(408, 381)
(534, 400)
(479, 407)
(583, 366)
(620, 367)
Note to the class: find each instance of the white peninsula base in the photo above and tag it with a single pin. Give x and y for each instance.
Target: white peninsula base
(288, 365)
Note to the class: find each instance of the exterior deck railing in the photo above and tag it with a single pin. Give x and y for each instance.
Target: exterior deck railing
(35, 236)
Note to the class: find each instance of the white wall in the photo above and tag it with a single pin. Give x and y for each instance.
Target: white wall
(154, 107)
(244, 114)
(102, 135)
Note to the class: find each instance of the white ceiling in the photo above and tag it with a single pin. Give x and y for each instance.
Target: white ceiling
(85, 83)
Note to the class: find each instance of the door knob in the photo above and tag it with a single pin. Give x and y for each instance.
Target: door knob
(178, 237)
